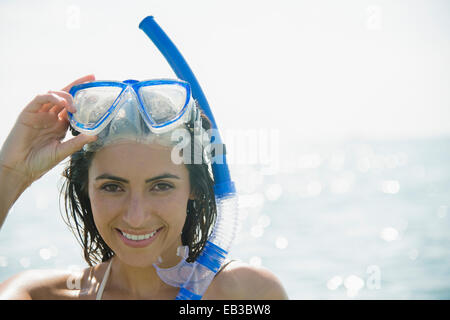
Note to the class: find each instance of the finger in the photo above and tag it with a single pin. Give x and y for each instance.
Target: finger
(84, 79)
(46, 106)
(68, 97)
(70, 146)
(57, 109)
(63, 116)
(41, 99)
(40, 120)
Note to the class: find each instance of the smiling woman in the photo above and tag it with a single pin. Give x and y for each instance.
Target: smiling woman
(121, 206)
(133, 209)
(121, 185)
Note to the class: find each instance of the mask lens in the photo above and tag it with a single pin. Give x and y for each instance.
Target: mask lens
(163, 102)
(93, 103)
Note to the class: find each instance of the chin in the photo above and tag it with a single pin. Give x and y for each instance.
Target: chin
(137, 260)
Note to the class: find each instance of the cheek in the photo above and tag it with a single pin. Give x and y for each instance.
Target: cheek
(172, 210)
(103, 211)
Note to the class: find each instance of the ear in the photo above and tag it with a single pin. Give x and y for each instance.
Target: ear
(192, 196)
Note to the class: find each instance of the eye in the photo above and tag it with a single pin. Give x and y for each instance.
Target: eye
(111, 187)
(162, 187)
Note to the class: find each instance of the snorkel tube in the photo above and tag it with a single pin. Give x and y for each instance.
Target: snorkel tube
(202, 271)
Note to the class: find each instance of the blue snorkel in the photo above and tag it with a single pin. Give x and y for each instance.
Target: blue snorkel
(202, 271)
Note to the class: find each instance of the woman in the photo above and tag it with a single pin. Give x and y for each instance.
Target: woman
(130, 204)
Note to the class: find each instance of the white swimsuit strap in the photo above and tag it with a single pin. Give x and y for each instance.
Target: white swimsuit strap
(103, 284)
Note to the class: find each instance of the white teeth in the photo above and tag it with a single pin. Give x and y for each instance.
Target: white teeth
(138, 237)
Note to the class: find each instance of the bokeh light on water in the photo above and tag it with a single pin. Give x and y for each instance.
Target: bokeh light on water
(352, 219)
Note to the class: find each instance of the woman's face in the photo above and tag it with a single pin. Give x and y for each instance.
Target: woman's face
(139, 199)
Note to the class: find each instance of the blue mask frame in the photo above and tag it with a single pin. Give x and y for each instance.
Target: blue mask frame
(134, 85)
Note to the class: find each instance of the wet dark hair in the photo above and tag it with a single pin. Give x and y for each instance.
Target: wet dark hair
(201, 212)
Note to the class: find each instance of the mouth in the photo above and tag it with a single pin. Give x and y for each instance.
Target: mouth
(138, 240)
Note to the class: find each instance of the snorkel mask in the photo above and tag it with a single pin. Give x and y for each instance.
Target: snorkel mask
(162, 103)
(145, 110)
(141, 111)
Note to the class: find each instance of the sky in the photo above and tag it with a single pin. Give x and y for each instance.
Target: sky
(311, 69)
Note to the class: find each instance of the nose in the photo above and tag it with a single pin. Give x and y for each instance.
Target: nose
(136, 213)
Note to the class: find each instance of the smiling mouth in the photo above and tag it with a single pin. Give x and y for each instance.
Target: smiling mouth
(138, 239)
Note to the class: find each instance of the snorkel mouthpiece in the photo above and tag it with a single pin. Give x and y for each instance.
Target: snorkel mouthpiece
(202, 271)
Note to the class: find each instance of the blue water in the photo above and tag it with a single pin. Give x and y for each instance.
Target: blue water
(343, 220)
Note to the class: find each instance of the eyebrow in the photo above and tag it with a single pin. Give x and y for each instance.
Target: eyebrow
(111, 177)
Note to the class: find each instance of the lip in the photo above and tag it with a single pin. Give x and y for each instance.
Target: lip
(138, 243)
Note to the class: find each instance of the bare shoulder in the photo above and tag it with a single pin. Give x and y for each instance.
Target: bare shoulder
(43, 284)
(239, 280)
(28, 284)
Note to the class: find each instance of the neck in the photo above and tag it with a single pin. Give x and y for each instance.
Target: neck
(138, 282)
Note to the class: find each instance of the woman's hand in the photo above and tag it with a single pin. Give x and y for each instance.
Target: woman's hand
(34, 145)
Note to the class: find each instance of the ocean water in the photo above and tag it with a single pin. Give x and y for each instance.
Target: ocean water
(355, 219)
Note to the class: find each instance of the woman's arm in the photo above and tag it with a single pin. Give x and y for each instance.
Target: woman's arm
(240, 281)
(41, 284)
(34, 145)
(12, 184)
(16, 287)
(256, 283)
